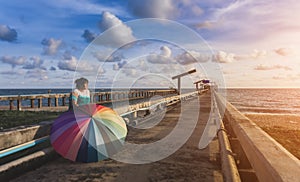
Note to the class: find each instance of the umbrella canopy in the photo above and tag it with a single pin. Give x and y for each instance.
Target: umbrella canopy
(89, 133)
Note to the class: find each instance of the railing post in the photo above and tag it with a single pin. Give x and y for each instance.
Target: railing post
(11, 104)
(40, 103)
(49, 102)
(64, 101)
(56, 101)
(19, 103)
(32, 103)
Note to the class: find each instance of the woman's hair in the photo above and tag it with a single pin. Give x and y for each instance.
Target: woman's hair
(80, 83)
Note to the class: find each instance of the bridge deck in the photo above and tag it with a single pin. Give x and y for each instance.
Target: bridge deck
(186, 164)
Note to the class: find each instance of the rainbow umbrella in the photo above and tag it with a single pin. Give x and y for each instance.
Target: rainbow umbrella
(89, 133)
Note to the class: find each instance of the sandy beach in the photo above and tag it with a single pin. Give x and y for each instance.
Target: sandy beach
(284, 128)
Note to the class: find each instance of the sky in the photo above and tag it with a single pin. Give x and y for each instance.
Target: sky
(133, 43)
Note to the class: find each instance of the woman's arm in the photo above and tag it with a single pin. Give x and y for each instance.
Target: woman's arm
(75, 98)
(91, 99)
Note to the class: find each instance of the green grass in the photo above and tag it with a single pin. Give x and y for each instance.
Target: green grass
(9, 119)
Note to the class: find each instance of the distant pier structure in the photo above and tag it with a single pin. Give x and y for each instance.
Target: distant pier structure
(61, 100)
(202, 84)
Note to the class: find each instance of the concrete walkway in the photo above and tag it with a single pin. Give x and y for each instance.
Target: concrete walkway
(186, 164)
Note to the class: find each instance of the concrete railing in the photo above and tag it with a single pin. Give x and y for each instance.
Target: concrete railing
(17, 136)
(270, 160)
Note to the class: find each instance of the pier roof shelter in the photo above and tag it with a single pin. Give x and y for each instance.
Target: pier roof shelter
(201, 82)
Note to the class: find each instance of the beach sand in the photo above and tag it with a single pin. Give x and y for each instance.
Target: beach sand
(284, 128)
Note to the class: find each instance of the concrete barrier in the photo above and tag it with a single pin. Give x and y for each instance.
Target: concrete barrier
(270, 160)
(17, 136)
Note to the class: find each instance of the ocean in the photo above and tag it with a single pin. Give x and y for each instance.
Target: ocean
(269, 101)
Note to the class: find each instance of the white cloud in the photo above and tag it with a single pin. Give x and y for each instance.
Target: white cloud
(119, 33)
(224, 57)
(262, 67)
(259, 53)
(170, 69)
(34, 62)
(130, 72)
(289, 77)
(51, 46)
(8, 34)
(119, 65)
(284, 51)
(163, 58)
(109, 20)
(165, 51)
(72, 64)
(192, 57)
(206, 25)
(37, 73)
(256, 54)
(279, 77)
(116, 67)
(13, 61)
(100, 56)
(159, 59)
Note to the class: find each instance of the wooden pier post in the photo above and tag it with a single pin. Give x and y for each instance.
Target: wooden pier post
(19, 104)
(49, 102)
(56, 101)
(32, 103)
(40, 102)
(11, 104)
(63, 101)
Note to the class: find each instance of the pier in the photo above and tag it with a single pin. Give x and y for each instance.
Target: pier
(61, 101)
(240, 150)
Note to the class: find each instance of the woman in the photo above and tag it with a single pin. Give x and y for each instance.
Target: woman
(81, 95)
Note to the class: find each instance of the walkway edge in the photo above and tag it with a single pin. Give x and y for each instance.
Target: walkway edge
(13, 169)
